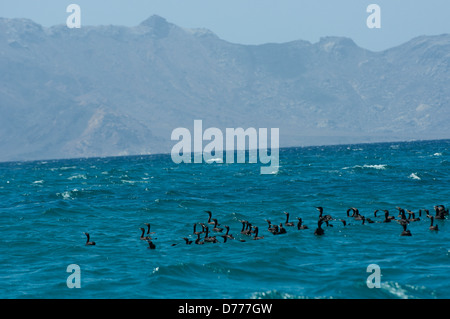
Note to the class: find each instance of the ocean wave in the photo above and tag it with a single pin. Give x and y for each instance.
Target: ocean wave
(65, 168)
(124, 181)
(80, 193)
(414, 176)
(406, 291)
(67, 194)
(276, 294)
(78, 176)
(395, 289)
(354, 149)
(273, 294)
(376, 166)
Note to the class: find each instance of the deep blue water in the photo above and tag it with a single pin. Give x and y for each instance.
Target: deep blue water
(46, 206)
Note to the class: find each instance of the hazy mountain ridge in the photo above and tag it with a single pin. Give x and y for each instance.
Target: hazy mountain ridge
(114, 90)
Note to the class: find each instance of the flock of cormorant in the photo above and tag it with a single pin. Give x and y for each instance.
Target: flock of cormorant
(253, 231)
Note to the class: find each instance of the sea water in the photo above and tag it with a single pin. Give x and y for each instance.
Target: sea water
(47, 206)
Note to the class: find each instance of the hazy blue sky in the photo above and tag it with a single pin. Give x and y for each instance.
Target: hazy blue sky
(257, 21)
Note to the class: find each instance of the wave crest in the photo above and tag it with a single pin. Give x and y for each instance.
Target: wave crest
(376, 166)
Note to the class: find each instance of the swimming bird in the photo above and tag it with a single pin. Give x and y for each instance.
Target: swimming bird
(228, 230)
(356, 215)
(216, 229)
(151, 245)
(255, 237)
(287, 223)
(326, 217)
(435, 227)
(89, 243)
(319, 231)
(386, 217)
(250, 229)
(148, 229)
(375, 213)
(353, 209)
(244, 224)
(368, 220)
(439, 213)
(209, 219)
(198, 241)
(274, 229)
(409, 214)
(247, 226)
(443, 210)
(299, 224)
(224, 238)
(142, 235)
(401, 214)
(281, 230)
(405, 231)
(271, 228)
(209, 239)
(195, 232)
(412, 217)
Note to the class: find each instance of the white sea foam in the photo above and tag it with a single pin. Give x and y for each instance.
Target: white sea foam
(437, 154)
(38, 182)
(215, 160)
(395, 289)
(377, 166)
(273, 294)
(78, 176)
(66, 195)
(67, 168)
(414, 176)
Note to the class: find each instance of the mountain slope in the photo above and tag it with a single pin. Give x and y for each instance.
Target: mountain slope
(114, 90)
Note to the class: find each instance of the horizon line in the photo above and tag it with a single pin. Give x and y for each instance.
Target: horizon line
(192, 153)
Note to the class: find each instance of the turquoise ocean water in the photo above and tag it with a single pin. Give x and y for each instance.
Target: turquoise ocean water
(46, 206)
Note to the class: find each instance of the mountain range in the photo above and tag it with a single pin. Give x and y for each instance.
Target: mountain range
(116, 90)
